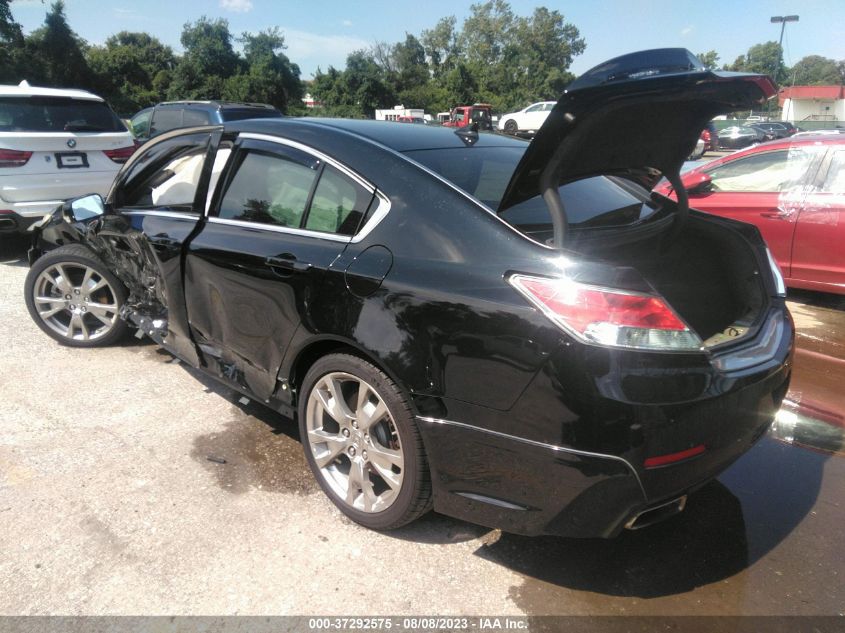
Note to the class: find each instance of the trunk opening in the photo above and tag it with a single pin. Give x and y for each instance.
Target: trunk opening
(707, 273)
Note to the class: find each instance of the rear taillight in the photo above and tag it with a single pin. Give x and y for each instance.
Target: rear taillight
(608, 316)
(13, 158)
(122, 154)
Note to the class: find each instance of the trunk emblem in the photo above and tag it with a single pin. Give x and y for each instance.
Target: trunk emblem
(71, 143)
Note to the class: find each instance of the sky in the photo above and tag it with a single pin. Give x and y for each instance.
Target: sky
(322, 33)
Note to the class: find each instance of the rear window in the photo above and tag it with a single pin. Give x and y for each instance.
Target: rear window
(56, 114)
(484, 172)
(239, 114)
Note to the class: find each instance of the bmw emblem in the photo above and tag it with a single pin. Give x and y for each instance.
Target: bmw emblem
(71, 143)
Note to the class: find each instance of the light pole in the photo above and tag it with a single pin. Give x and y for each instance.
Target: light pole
(782, 19)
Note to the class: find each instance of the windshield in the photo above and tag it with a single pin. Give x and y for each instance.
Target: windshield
(56, 114)
(484, 172)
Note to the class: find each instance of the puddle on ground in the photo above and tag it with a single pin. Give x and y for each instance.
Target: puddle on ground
(258, 456)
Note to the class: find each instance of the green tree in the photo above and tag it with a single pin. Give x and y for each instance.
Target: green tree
(765, 58)
(55, 53)
(209, 60)
(11, 45)
(710, 59)
(441, 46)
(270, 77)
(545, 47)
(131, 70)
(815, 70)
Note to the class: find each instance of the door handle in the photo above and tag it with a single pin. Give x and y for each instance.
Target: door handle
(776, 214)
(287, 262)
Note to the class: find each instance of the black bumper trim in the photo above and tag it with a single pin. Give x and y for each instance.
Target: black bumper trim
(551, 447)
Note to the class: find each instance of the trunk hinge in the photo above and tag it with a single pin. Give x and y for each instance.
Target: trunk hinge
(682, 210)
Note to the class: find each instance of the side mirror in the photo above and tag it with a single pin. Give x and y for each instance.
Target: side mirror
(696, 182)
(83, 208)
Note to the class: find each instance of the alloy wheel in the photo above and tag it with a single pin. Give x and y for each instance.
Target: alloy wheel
(354, 441)
(75, 301)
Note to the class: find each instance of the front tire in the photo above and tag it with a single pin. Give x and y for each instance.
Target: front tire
(362, 443)
(74, 298)
(511, 127)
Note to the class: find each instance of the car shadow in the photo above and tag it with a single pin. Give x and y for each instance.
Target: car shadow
(13, 250)
(727, 526)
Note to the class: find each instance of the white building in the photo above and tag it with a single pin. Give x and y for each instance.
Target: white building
(813, 103)
(392, 114)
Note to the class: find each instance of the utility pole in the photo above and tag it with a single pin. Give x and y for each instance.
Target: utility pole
(782, 19)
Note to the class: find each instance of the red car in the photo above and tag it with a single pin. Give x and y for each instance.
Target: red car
(793, 190)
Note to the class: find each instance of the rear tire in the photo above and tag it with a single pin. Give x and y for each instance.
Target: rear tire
(362, 444)
(75, 299)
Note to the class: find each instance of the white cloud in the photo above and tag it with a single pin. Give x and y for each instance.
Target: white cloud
(686, 30)
(236, 6)
(310, 50)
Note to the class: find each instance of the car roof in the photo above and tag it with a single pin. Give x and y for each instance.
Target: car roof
(401, 138)
(213, 105)
(38, 91)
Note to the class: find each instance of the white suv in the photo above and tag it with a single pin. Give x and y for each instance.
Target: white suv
(54, 144)
(527, 120)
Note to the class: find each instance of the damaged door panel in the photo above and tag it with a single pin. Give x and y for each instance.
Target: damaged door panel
(156, 205)
(256, 265)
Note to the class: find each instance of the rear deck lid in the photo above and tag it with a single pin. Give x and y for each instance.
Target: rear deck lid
(635, 115)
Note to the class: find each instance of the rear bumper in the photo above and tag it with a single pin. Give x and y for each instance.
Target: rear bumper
(11, 223)
(569, 460)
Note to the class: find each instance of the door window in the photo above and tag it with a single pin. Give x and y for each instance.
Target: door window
(165, 176)
(834, 182)
(290, 188)
(269, 189)
(165, 119)
(764, 172)
(339, 204)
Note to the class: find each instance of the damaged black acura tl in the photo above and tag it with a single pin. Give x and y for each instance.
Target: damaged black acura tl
(520, 335)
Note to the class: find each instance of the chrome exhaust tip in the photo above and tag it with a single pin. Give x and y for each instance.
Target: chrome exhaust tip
(655, 514)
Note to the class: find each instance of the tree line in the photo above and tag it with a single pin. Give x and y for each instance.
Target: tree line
(493, 56)
(133, 70)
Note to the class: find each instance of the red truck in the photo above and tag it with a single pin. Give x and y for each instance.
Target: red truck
(462, 116)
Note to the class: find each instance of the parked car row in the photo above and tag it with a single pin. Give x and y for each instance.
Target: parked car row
(56, 144)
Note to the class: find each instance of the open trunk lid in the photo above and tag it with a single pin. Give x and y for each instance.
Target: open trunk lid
(605, 122)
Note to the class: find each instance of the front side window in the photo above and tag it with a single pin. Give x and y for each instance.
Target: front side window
(165, 176)
(764, 172)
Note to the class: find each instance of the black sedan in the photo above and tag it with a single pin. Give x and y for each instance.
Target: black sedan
(520, 335)
(739, 136)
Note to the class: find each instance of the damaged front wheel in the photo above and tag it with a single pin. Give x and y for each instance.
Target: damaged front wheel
(75, 299)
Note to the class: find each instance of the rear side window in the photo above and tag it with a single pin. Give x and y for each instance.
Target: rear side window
(239, 114)
(269, 188)
(834, 182)
(290, 188)
(57, 114)
(165, 119)
(339, 204)
(195, 117)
